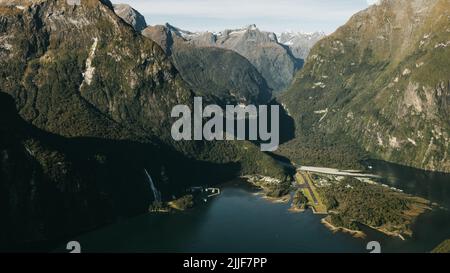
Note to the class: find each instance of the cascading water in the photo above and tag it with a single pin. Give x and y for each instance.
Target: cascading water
(156, 193)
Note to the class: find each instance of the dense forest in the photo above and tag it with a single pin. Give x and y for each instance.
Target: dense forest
(314, 150)
(352, 202)
(300, 201)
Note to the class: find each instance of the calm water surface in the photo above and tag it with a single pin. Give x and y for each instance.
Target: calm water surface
(240, 221)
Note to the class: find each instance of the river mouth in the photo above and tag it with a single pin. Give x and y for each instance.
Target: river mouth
(241, 220)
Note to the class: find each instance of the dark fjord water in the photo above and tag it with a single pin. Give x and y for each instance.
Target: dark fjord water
(240, 221)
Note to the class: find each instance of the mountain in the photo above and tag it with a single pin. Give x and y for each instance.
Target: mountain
(273, 60)
(86, 103)
(52, 186)
(220, 74)
(380, 84)
(300, 43)
(131, 16)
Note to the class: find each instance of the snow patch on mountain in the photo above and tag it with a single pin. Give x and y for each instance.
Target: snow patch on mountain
(300, 43)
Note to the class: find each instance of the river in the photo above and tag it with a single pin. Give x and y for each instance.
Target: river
(241, 221)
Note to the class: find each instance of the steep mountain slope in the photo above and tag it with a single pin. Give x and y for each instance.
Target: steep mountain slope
(222, 75)
(131, 16)
(274, 61)
(51, 186)
(300, 43)
(95, 98)
(72, 68)
(381, 82)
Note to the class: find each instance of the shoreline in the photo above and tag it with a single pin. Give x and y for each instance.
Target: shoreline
(263, 191)
(361, 234)
(293, 209)
(264, 188)
(355, 233)
(391, 233)
(296, 209)
(277, 200)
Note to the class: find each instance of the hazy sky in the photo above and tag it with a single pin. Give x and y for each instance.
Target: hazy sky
(271, 15)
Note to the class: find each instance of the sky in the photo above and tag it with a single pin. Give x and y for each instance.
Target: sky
(269, 15)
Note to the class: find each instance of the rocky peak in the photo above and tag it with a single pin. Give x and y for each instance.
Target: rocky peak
(185, 34)
(300, 43)
(96, 101)
(202, 67)
(250, 33)
(131, 16)
(273, 60)
(106, 64)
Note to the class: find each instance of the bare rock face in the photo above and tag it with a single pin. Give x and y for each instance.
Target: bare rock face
(162, 36)
(81, 80)
(220, 74)
(94, 102)
(300, 43)
(273, 60)
(107, 67)
(382, 81)
(131, 16)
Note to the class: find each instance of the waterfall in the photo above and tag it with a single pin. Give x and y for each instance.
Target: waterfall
(156, 193)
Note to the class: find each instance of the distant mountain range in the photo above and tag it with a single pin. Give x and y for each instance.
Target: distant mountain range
(273, 60)
(220, 74)
(277, 59)
(86, 104)
(86, 98)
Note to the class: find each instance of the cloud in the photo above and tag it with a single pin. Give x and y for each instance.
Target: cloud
(273, 13)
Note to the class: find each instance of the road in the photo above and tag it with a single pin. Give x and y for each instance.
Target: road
(308, 186)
